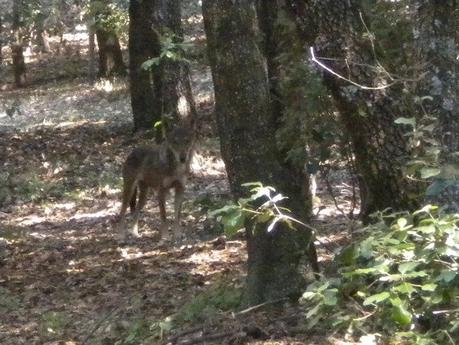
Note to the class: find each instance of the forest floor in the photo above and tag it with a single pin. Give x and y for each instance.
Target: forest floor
(64, 276)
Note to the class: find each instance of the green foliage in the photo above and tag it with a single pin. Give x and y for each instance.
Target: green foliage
(8, 301)
(110, 16)
(30, 187)
(205, 306)
(53, 323)
(209, 303)
(429, 160)
(261, 207)
(172, 49)
(307, 110)
(401, 279)
(138, 330)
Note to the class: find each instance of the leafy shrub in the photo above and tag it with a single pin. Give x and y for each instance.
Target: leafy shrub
(401, 280)
(211, 302)
(262, 206)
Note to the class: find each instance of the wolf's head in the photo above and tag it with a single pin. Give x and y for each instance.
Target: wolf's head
(180, 142)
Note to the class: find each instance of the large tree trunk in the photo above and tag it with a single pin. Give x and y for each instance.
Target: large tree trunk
(110, 55)
(436, 36)
(368, 115)
(143, 45)
(19, 67)
(247, 128)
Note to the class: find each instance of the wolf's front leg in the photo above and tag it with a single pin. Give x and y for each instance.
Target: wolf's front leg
(163, 231)
(179, 189)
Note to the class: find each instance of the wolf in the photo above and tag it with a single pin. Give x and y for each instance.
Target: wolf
(161, 168)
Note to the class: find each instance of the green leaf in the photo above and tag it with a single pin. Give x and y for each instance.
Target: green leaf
(401, 316)
(411, 121)
(278, 197)
(427, 172)
(167, 324)
(233, 221)
(426, 209)
(313, 311)
(150, 63)
(426, 229)
(397, 277)
(224, 210)
(264, 217)
(376, 298)
(437, 186)
(447, 276)
(330, 297)
(309, 295)
(272, 224)
(405, 288)
(429, 287)
(402, 222)
(348, 255)
(407, 267)
(366, 247)
(260, 192)
(382, 268)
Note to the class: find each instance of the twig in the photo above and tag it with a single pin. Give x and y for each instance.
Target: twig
(258, 306)
(364, 87)
(211, 337)
(373, 50)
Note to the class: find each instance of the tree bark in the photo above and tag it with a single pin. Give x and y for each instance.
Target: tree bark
(19, 67)
(143, 45)
(110, 55)
(91, 53)
(164, 93)
(335, 30)
(247, 127)
(173, 75)
(1, 40)
(436, 24)
(41, 36)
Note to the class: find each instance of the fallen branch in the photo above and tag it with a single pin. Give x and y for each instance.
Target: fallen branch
(211, 337)
(173, 340)
(258, 306)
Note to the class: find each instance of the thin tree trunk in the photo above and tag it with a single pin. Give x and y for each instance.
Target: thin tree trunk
(19, 67)
(173, 86)
(164, 93)
(143, 45)
(91, 53)
(110, 55)
(247, 128)
(41, 36)
(1, 40)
